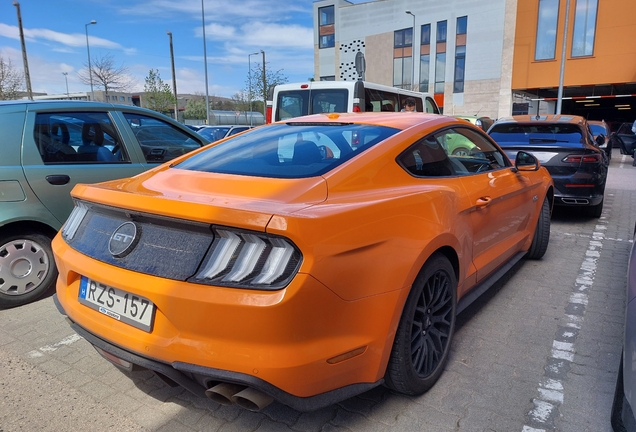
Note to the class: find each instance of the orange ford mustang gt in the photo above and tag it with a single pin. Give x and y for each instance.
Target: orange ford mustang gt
(303, 262)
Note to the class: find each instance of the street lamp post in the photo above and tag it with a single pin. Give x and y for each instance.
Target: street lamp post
(174, 80)
(88, 49)
(413, 49)
(205, 63)
(264, 87)
(66, 79)
(249, 84)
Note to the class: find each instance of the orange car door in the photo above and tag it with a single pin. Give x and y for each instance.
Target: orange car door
(502, 203)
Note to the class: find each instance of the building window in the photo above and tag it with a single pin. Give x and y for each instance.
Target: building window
(441, 31)
(326, 29)
(546, 30)
(584, 28)
(425, 57)
(440, 57)
(328, 78)
(460, 63)
(403, 58)
(460, 54)
(462, 25)
(440, 71)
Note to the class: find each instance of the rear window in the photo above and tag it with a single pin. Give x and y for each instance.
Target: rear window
(598, 129)
(539, 133)
(288, 150)
(296, 103)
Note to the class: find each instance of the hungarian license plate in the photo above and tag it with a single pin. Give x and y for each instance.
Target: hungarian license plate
(118, 304)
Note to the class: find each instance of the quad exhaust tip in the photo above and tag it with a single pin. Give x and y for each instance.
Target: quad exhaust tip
(246, 397)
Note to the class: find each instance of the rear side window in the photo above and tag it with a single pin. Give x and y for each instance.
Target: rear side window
(452, 152)
(288, 150)
(539, 133)
(78, 138)
(159, 140)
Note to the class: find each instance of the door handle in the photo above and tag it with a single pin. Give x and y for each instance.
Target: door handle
(483, 202)
(58, 179)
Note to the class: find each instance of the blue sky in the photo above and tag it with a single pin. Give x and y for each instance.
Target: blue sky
(134, 33)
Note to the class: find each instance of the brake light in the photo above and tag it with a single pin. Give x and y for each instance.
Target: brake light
(268, 115)
(246, 259)
(587, 158)
(356, 108)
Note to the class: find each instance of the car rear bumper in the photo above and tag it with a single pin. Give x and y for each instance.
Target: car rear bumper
(567, 193)
(303, 345)
(197, 379)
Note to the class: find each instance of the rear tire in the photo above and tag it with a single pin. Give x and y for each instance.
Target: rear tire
(597, 210)
(425, 331)
(541, 233)
(27, 268)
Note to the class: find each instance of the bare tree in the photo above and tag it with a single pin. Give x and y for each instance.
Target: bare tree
(11, 80)
(107, 76)
(258, 88)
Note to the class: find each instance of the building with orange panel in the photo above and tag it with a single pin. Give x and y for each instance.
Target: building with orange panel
(493, 58)
(599, 71)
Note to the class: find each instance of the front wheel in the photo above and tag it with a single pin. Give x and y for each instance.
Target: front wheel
(27, 268)
(425, 331)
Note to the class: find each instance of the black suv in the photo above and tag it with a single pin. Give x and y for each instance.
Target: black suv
(564, 144)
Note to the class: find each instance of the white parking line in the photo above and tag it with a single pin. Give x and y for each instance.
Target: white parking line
(550, 391)
(50, 348)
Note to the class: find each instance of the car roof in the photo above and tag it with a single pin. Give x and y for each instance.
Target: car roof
(86, 105)
(551, 118)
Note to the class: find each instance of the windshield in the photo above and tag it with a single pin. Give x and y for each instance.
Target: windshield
(288, 150)
(539, 133)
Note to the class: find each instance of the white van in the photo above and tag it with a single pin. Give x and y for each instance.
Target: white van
(295, 100)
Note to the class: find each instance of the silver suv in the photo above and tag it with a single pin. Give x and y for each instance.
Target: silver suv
(47, 148)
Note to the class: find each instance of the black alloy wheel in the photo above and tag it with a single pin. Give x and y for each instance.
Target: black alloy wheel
(425, 331)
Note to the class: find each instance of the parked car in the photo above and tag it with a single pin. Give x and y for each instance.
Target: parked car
(625, 139)
(564, 145)
(482, 122)
(598, 128)
(625, 392)
(194, 127)
(266, 267)
(215, 133)
(47, 148)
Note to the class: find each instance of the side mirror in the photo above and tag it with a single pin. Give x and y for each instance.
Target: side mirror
(526, 162)
(600, 140)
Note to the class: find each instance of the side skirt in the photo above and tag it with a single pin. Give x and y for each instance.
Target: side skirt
(481, 287)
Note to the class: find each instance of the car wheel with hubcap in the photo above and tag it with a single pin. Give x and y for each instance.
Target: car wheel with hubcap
(27, 268)
(425, 331)
(541, 233)
(461, 151)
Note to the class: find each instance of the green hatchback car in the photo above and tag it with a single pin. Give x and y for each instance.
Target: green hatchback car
(48, 147)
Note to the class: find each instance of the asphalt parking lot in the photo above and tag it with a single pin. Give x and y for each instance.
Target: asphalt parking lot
(538, 352)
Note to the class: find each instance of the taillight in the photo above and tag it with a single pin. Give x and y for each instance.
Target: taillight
(356, 108)
(74, 220)
(268, 115)
(585, 158)
(246, 259)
